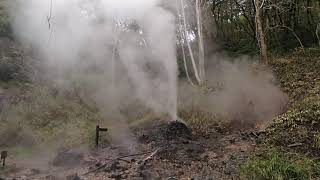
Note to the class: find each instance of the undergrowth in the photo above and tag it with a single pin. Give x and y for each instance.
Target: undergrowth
(300, 77)
(275, 165)
(43, 116)
(296, 133)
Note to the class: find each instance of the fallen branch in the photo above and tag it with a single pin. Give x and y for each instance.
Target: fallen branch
(118, 158)
(151, 155)
(295, 145)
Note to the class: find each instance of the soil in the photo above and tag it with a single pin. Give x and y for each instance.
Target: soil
(164, 151)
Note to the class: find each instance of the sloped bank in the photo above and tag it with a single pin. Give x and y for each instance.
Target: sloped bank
(292, 144)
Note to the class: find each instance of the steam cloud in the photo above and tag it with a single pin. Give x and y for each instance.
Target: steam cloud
(124, 51)
(121, 50)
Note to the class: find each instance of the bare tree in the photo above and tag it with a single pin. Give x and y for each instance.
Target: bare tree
(200, 41)
(261, 38)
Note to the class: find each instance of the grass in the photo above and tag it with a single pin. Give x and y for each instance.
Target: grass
(43, 116)
(202, 122)
(20, 151)
(299, 76)
(275, 165)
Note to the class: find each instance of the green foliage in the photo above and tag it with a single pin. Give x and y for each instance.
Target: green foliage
(47, 117)
(13, 63)
(299, 76)
(274, 165)
(12, 69)
(299, 125)
(202, 122)
(298, 73)
(235, 24)
(298, 130)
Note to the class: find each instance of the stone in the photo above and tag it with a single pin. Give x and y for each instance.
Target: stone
(73, 177)
(150, 175)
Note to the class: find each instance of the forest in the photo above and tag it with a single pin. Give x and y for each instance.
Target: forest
(159, 89)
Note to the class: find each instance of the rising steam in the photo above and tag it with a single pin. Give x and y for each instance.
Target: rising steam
(122, 50)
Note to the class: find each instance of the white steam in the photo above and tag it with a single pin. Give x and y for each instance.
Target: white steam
(122, 51)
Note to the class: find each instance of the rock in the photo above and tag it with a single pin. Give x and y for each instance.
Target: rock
(194, 148)
(73, 177)
(116, 176)
(232, 140)
(229, 169)
(115, 165)
(98, 164)
(150, 175)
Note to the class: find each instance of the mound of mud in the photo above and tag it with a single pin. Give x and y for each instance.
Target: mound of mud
(175, 140)
(175, 130)
(167, 132)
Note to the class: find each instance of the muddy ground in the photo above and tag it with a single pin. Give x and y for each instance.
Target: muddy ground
(164, 151)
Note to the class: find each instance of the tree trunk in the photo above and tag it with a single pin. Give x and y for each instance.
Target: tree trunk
(200, 41)
(260, 32)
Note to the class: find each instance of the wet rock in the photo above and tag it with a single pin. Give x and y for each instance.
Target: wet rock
(73, 177)
(67, 158)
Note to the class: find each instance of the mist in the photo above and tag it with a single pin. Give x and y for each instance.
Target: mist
(240, 90)
(117, 52)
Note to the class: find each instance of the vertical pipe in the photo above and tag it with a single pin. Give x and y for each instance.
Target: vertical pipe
(97, 135)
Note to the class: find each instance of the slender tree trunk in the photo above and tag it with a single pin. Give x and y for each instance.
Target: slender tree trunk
(200, 41)
(260, 32)
(188, 43)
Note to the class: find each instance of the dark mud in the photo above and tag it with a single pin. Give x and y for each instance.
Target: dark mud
(165, 151)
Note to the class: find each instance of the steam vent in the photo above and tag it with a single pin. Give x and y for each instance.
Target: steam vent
(159, 89)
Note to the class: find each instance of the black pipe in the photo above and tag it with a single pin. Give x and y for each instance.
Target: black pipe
(4, 155)
(98, 129)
